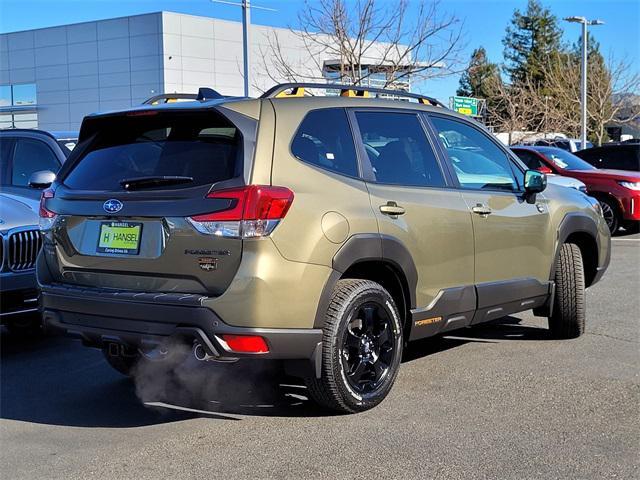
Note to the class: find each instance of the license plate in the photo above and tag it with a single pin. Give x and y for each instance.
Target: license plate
(119, 237)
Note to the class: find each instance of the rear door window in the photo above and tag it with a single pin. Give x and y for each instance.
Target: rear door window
(202, 147)
(324, 139)
(398, 149)
(29, 156)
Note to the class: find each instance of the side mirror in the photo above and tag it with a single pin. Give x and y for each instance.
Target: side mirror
(534, 182)
(42, 179)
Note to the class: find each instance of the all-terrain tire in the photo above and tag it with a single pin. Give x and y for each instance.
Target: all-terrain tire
(569, 309)
(333, 390)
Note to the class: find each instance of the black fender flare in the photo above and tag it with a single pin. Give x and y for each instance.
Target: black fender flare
(364, 247)
(575, 222)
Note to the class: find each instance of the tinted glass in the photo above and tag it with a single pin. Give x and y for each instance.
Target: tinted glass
(6, 151)
(564, 160)
(531, 160)
(324, 139)
(616, 157)
(31, 156)
(202, 146)
(477, 161)
(399, 150)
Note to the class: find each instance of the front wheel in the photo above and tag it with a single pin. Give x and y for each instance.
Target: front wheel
(361, 348)
(611, 215)
(568, 317)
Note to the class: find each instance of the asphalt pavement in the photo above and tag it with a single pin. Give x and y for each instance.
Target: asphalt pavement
(501, 400)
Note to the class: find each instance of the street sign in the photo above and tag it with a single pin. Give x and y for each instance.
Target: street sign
(465, 105)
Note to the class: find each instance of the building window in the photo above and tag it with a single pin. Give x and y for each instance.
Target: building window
(18, 106)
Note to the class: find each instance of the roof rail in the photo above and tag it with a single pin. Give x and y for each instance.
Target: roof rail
(298, 90)
(204, 93)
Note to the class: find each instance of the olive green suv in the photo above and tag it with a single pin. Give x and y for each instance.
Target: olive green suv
(327, 231)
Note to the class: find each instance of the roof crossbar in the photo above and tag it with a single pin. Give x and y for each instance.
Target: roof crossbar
(298, 90)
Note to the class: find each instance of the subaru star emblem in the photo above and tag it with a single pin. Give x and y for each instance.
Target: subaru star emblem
(112, 206)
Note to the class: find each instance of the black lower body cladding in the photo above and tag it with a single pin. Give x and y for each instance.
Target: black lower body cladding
(100, 317)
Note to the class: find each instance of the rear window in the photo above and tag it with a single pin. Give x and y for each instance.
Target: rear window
(204, 147)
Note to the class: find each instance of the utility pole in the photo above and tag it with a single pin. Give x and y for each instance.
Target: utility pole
(246, 36)
(583, 75)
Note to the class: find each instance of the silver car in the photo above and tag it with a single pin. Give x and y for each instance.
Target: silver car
(22, 154)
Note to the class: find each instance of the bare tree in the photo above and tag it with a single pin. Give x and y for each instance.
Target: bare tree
(610, 85)
(521, 107)
(400, 39)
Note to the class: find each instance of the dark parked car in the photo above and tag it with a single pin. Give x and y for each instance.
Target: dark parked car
(22, 153)
(618, 191)
(620, 156)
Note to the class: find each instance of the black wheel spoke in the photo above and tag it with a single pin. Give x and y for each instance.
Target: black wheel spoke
(379, 368)
(352, 340)
(383, 337)
(357, 373)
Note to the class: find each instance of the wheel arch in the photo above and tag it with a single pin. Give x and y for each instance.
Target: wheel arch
(379, 258)
(582, 230)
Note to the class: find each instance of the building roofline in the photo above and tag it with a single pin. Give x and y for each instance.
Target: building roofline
(157, 12)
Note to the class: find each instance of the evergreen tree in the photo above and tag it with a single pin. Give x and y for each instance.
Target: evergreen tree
(529, 41)
(479, 79)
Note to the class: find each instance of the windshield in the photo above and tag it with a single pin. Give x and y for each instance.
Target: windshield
(565, 160)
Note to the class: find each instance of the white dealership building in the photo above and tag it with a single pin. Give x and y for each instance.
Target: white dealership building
(51, 77)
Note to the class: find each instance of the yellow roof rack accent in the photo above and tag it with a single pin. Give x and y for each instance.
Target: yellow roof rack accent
(350, 92)
(291, 90)
(295, 92)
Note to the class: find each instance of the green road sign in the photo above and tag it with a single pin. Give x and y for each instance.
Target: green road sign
(465, 105)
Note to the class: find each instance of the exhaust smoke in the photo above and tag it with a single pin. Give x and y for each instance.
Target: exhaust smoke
(186, 378)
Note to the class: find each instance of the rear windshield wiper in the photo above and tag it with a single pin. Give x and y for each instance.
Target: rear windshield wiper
(147, 182)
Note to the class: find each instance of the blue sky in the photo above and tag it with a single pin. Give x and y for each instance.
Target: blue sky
(484, 21)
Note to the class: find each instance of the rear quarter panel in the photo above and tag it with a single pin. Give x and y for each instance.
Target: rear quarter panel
(327, 209)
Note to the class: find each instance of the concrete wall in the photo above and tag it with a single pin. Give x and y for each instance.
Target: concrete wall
(86, 67)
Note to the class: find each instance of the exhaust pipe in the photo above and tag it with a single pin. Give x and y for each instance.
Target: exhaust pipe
(200, 353)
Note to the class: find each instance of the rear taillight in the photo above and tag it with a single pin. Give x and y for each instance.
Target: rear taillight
(47, 217)
(254, 211)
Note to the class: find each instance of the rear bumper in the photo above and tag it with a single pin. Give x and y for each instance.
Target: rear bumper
(100, 317)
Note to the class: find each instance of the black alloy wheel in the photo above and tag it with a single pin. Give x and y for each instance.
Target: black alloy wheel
(361, 348)
(367, 348)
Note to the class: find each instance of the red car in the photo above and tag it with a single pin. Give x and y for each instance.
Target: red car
(618, 191)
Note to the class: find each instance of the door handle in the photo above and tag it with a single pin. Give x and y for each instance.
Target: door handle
(392, 209)
(481, 210)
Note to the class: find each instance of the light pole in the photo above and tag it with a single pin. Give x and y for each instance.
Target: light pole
(583, 74)
(246, 37)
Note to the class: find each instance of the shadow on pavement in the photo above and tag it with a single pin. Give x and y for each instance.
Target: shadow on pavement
(57, 381)
(507, 328)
